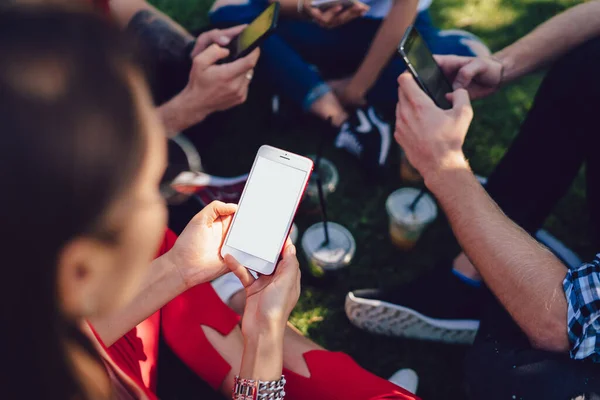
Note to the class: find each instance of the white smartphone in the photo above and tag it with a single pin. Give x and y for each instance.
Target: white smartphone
(275, 186)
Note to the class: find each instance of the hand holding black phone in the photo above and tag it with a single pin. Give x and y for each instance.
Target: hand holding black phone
(426, 71)
(254, 34)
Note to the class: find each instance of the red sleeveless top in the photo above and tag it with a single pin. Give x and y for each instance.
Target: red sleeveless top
(102, 5)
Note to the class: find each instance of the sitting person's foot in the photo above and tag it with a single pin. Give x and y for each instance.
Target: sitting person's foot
(366, 136)
(441, 306)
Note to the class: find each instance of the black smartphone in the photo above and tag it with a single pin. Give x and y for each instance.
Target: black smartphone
(254, 34)
(426, 71)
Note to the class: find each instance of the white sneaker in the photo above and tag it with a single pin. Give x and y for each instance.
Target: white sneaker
(407, 379)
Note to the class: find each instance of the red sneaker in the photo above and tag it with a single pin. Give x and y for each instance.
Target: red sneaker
(208, 188)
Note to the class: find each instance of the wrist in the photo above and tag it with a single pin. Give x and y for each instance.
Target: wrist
(436, 174)
(176, 114)
(173, 273)
(507, 63)
(263, 355)
(267, 327)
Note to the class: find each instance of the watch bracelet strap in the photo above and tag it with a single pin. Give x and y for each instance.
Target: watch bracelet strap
(249, 389)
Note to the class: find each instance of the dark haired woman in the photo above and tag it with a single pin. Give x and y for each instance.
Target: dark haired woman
(82, 217)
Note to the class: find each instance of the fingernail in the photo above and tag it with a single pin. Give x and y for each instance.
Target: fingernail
(224, 40)
(457, 85)
(291, 250)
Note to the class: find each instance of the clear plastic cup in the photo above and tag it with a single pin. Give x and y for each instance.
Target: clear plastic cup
(407, 226)
(330, 179)
(408, 173)
(294, 233)
(325, 259)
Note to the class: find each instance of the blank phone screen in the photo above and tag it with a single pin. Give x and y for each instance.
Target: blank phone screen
(266, 209)
(428, 70)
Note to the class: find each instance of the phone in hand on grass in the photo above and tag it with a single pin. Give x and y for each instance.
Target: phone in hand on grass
(426, 71)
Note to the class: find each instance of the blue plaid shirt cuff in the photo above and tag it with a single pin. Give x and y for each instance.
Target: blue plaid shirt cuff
(582, 289)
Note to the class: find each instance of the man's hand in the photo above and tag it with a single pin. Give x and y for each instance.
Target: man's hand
(346, 92)
(480, 76)
(211, 87)
(215, 87)
(197, 252)
(431, 137)
(218, 36)
(335, 16)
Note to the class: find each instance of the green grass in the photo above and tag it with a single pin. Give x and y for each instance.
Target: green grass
(359, 203)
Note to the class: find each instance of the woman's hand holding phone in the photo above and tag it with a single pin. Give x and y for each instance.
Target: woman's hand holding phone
(196, 254)
(480, 76)
(270, 299)
(336, 15)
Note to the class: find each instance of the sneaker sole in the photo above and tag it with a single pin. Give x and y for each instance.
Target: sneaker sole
(389, 319)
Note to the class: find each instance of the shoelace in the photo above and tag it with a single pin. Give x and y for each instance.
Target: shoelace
(349, 141)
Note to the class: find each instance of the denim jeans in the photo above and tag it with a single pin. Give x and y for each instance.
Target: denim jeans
(300, 55)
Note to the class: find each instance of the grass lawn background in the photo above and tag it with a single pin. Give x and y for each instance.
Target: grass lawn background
(359, 203)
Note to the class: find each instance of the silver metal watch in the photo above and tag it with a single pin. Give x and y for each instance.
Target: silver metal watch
(249, 389)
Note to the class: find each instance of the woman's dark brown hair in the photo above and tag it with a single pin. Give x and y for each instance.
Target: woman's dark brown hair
(70, 144)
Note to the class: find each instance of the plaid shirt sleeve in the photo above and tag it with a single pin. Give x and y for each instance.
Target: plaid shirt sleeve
(582, 290)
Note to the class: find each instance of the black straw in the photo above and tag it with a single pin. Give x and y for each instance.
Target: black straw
(321, 146)
(318, 158)
(323, 210)
(413, 205)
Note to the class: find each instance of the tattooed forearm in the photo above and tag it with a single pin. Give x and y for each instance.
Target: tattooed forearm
(165, 40)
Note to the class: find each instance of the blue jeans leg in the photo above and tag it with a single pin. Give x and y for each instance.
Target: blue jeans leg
(295, 57)
(281, 65)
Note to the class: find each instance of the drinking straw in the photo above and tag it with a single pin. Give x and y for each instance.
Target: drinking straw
(413, 205)
(323, 210)
(321, 146)
(322, 203)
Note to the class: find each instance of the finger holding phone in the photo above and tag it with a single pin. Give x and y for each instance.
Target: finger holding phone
(196, 253)
(331, 14)
(212, 87)
(270, 299)
(216, 86)
(431, 137)
(480, 76)
(431, 118)
(222, 68)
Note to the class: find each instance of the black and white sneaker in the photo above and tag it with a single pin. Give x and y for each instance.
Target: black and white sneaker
(366, 136)
(437, 307)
